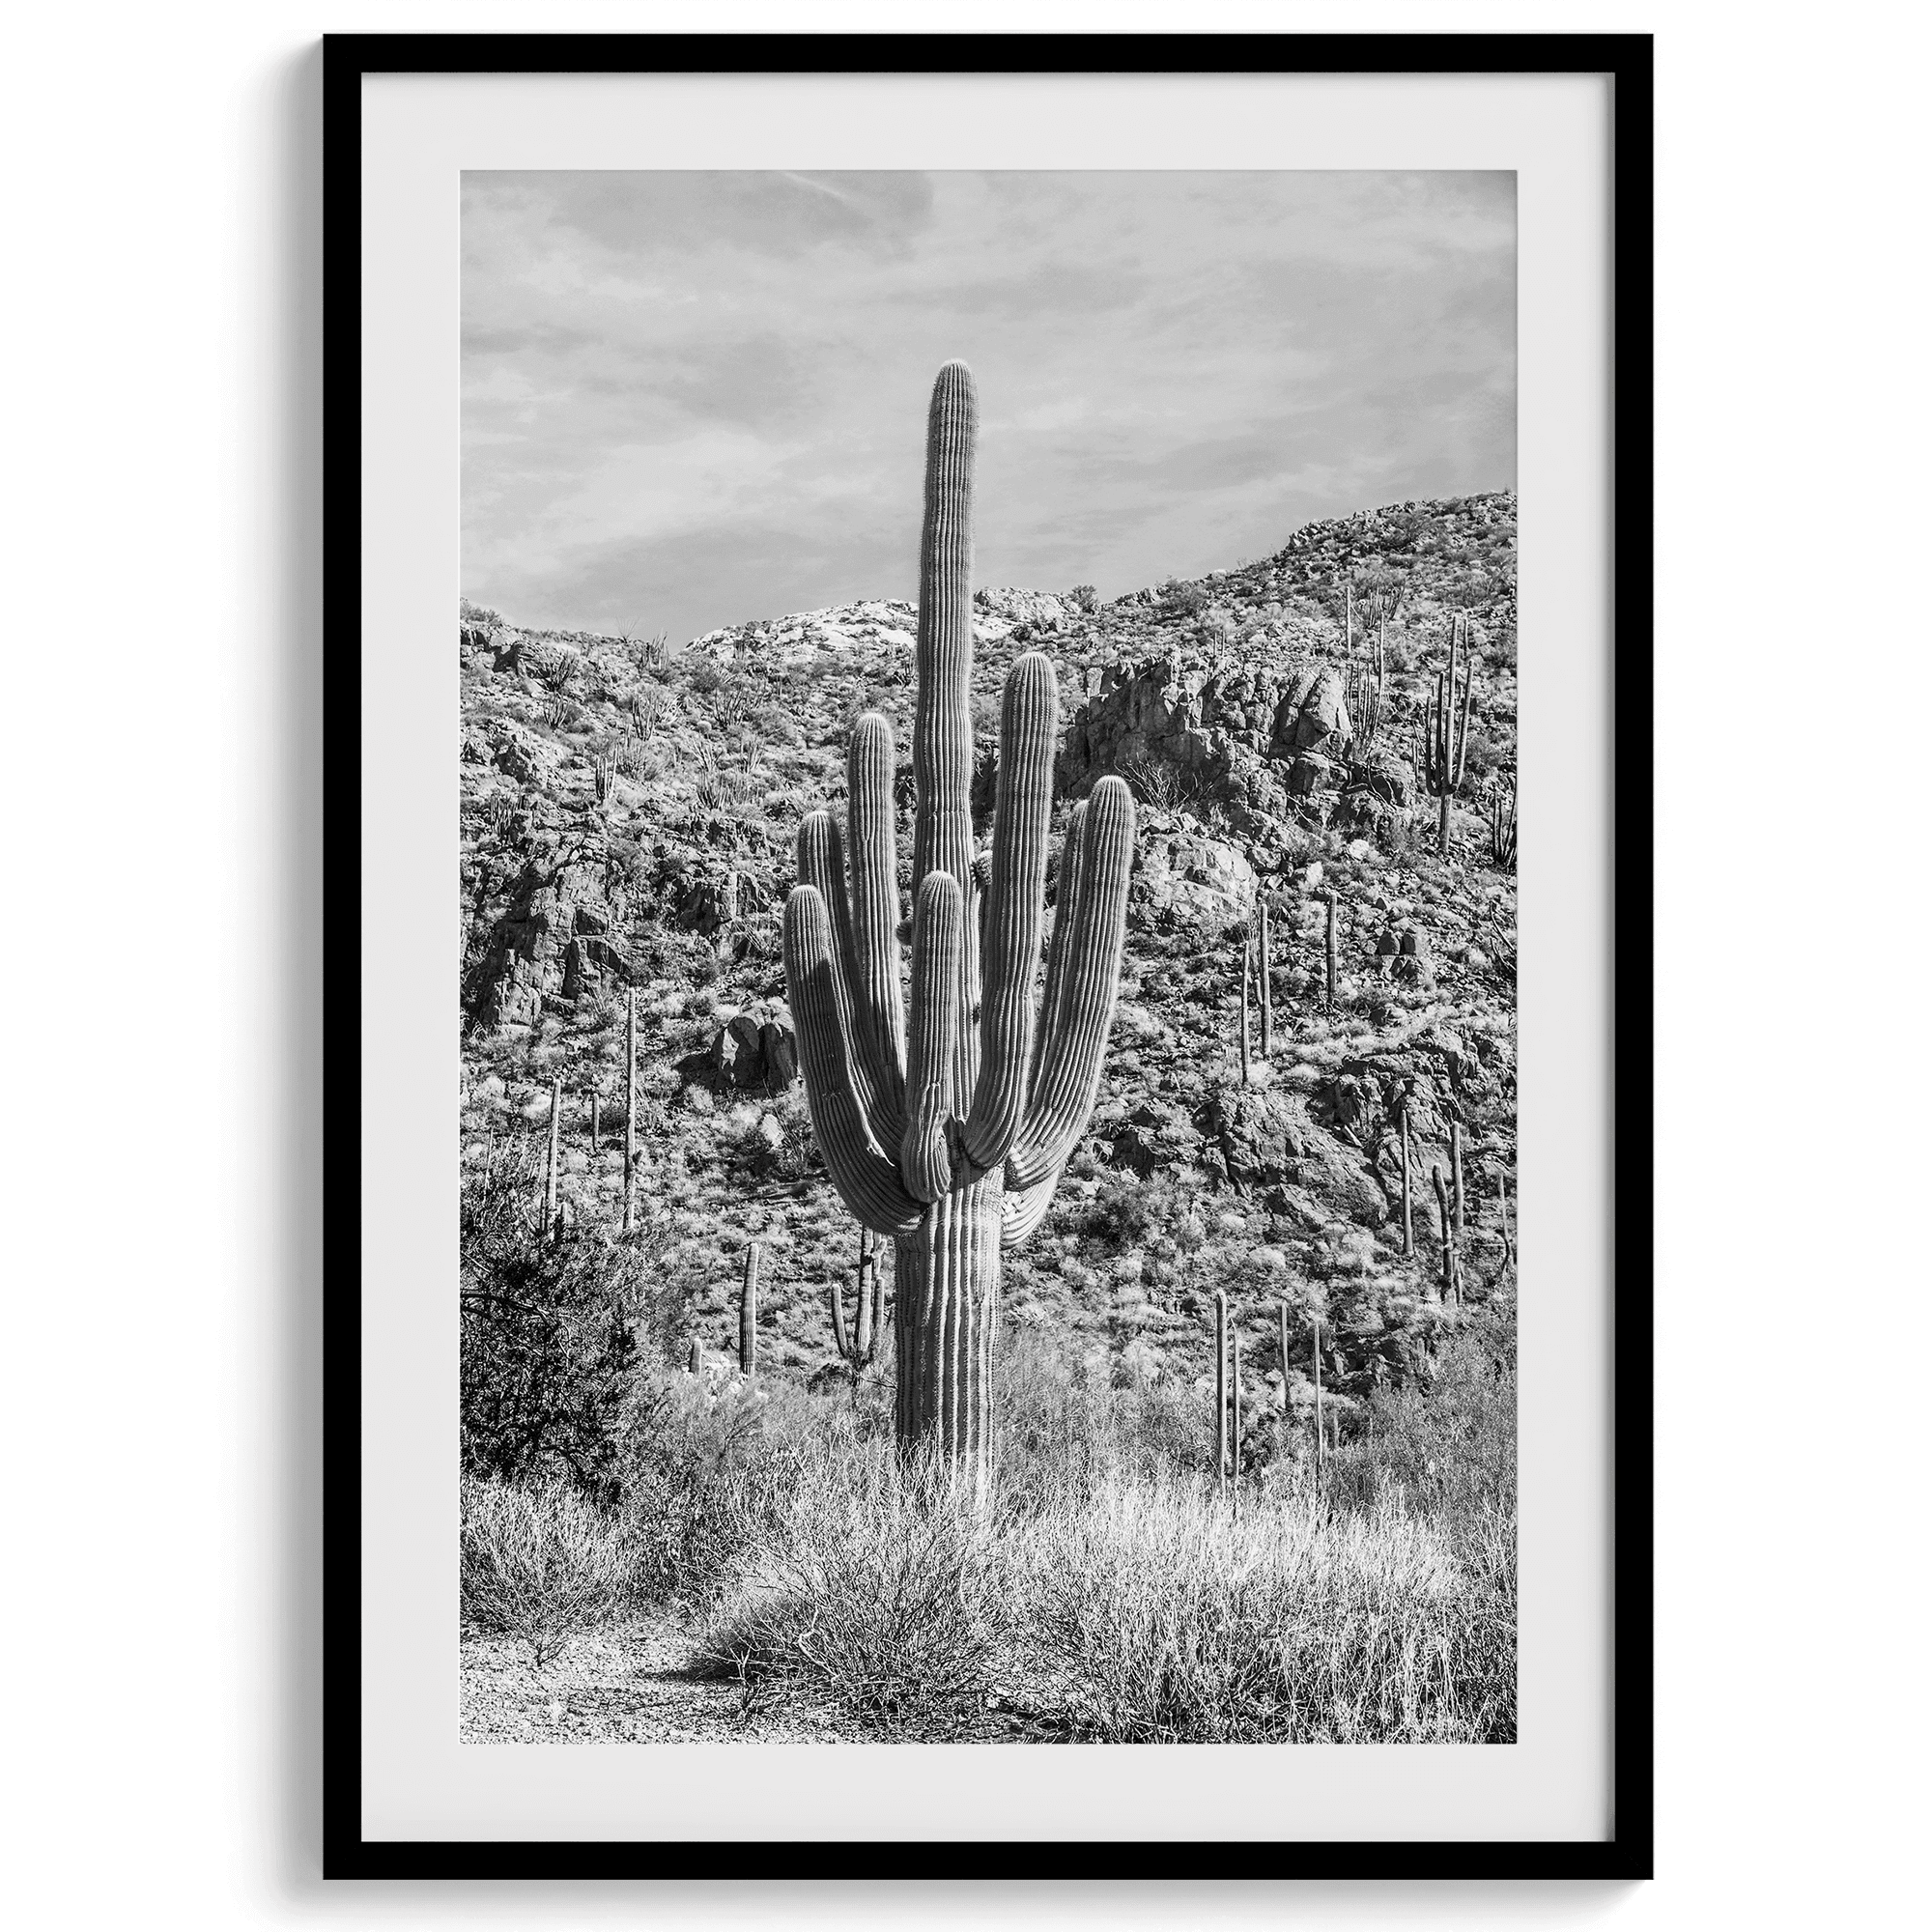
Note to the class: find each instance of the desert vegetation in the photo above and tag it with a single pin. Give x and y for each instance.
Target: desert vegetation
(1080, 1310)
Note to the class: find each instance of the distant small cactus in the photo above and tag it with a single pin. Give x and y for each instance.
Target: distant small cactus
(859, 1344)
(748, 1313)
(1502, 824)
(1445, 739)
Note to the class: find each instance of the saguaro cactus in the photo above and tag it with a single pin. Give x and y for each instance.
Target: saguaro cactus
(1446, 731)
(1408, 1210)
(550, 1217)
(1502, 824)
(860, 1343)
(1268, 993)
(748, 1313)
(1235, 1418)
(945, 1124)
(1221, 1390)
(1248, 975)
(1330, 947)
(629, 1109)
(1452, 1273)
(1320, 1435)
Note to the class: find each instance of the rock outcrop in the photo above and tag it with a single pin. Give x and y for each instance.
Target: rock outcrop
(1206, 726)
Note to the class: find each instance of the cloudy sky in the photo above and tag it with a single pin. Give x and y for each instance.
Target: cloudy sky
(692, 399)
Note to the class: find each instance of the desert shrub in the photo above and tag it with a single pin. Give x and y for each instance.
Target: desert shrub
(679, 1467)
(1483, 756)
(550, 1335)
(869, 1589)
(1448, 1444)
(539, 1563)
(1130, 1209)
(1085, 596)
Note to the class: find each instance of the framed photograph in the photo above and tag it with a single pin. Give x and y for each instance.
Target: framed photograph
(939, 649)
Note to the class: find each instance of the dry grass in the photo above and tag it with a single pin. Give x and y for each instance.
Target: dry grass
(1108, 1594)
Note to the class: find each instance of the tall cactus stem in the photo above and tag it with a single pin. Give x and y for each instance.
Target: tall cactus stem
(1442, 1208)
(550, 1219)
(1267, 995)
(1221, 1390)
(1455, 1172)
(630, 1110)
(1247, 973)
(1234, 1420)
(1332, 950)
(1321, 1435)
(596, 1140)
(748, 1313)
(1281, 1313)
(1408, 1210)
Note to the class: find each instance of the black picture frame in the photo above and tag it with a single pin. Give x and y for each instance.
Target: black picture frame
(1627, 59)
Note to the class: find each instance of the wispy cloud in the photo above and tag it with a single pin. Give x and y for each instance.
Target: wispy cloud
(695, 398)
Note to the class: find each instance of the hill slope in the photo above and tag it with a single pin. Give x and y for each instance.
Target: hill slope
(627, 817)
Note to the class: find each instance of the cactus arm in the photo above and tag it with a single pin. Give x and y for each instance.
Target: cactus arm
(866, 1181)
(821, 866)
(1014, 908)
(1066, 901)
(1069, 1066)
(1023, 1210)
(875, 911)
(938, 940)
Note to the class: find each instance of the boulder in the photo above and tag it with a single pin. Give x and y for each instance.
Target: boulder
(1311, 773)
(1211, 726)
(1266, 1140)
(1385, 776)
(1152, 1136)
(1313, 713)
(756, 1047)
(1186, 872)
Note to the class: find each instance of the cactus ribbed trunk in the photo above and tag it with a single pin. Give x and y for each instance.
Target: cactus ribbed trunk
(1456, 1175)
(948, 1291)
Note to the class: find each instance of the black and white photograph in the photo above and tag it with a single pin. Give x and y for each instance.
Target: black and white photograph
(987, 981)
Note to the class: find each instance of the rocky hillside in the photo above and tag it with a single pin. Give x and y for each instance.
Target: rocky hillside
(628, 809)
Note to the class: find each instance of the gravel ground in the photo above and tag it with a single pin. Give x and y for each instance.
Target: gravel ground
(627, 1685)
(633, 1684)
